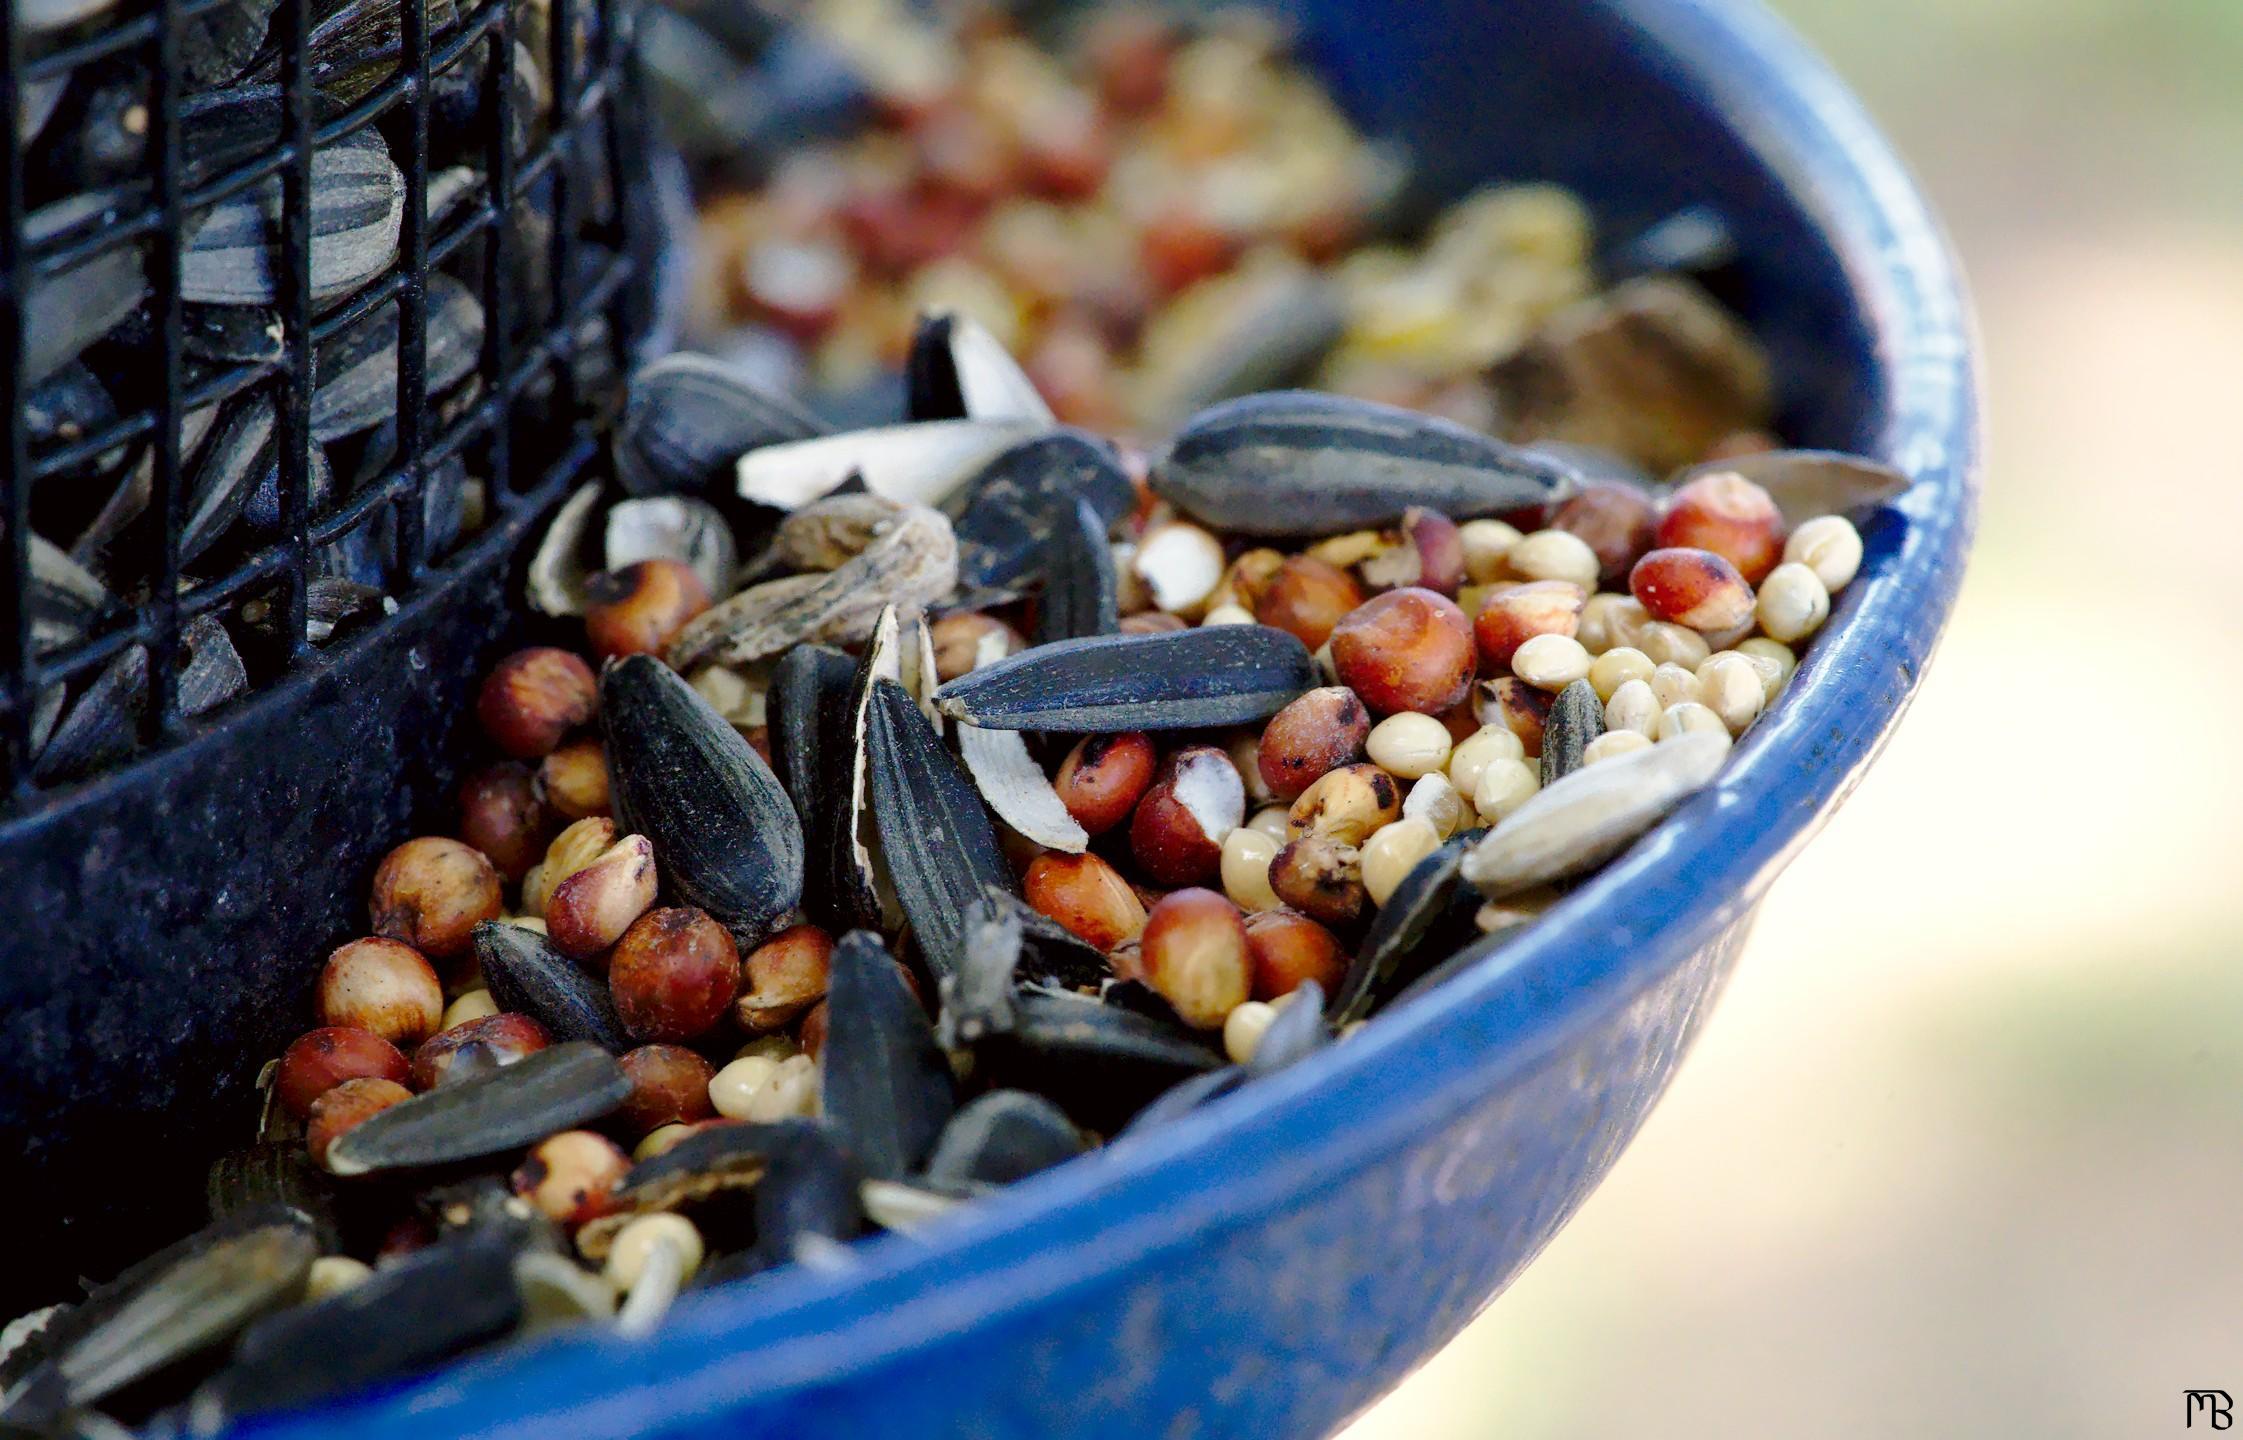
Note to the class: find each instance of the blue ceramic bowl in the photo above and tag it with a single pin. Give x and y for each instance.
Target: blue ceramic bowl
(1272, 1264)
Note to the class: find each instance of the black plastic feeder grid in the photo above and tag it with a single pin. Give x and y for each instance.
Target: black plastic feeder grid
(167, 916)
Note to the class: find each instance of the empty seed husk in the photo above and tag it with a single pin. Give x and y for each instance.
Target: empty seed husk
(957, 370)
(918, 464)
(1591, 814)
(1015, 787)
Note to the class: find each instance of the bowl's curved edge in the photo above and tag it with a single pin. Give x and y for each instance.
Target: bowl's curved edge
(1634, 924)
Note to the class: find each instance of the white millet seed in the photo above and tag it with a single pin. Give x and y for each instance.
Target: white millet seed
(1633, 707)
(1247, 853)
(1554, 555)
(627, 1257)
(1485, 746)
(1504, 786)
(1690, 718)
(1435, 800)
(1550, 662)
(1409, 745)
(1733, 690)
(333, 1274)
(791, 1092)
(1276, 822)
(1670, 644)
(1244, 1028)
(1830, 546)
(1392, 853)
(1613, 743)
(1793, 603)
(1616, 667)
(1594, 630)
(1228, 615)
(1777, 654)
(1486, 545)
(732, 1089)
(1673, 685)
(474, 1005)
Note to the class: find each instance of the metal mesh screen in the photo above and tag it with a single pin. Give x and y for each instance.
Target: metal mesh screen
(197, 271)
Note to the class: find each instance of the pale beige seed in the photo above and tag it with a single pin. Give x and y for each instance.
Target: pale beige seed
(1616, 667)
(1228, 615)
(1673, 685)
(1732, 689)
(777, 1047)
(333, 1274)
(1550, 662)
(1690, 718)
(1504, 786)
(791, 1092)
(1246, 756)
(732, 1089)
(1669, 644)
(1614, 743)
(1244, 1028)
(474, 1005)
(1777, 654)
(1633, 707)
(1276, 821)
(1247, 853)
(1793, 603)
(636, 1241)
(1594, 629)
(1486, 745)
(1435, 800)
(1830, 546)
(1409, 745)
(661, 1140)
(1392, 853)
(1554, 555)
(1487, 543)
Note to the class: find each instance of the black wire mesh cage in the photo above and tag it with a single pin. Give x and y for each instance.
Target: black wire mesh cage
(309, 309)
(300, 296)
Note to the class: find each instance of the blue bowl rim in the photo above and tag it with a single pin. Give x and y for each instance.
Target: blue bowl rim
(1670, 895)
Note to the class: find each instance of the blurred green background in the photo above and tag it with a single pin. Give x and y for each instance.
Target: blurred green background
(1961, 1152)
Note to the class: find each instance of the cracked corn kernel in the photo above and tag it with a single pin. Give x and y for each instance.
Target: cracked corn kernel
(1487, 544)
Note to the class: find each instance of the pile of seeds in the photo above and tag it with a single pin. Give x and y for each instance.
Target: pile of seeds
(1154, 211)
(92, 327)
(1001, 804)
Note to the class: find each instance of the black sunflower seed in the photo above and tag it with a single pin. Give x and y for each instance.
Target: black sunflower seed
(102, 725)
(725, 834)
(527, 975)
(357, 370)
(357, 203)
(1005, 517)
(409, 1315)
(1181, 680)
(939, 843)
(1294, 463)
(1425, 918)
(1184, 1097)
(1576, 717)
(218, 44)
(1051, 954)
(1081, 594)
(178, 1303)
(1100, 1063)
(1004, 1136)
(690, 418)
(808, 710)
(810, 1190)
(67, 310)
(885, 1083)
(558, 1088)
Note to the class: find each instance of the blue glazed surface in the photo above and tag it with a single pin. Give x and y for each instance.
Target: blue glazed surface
(1272, 1264)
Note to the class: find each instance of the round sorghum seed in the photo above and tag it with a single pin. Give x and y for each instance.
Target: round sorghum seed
(1468, 761)
(1616, 667)
(1830, 546)
(626, 1260)
(732, 1088)
(1392, 853)
(1274, 821)
(333, 1274)
(1504, 786)
(1487, 544)
(1689, 718)
(1732, 689)
(1409, 745)
(1244, 1028)
(1595, 631)
(1778, 654)
(1554, 555)
(1614, 742)
(1793, 603)
(1246, 856)
(1673, 685)
(1633, 707)
(1550, 662)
